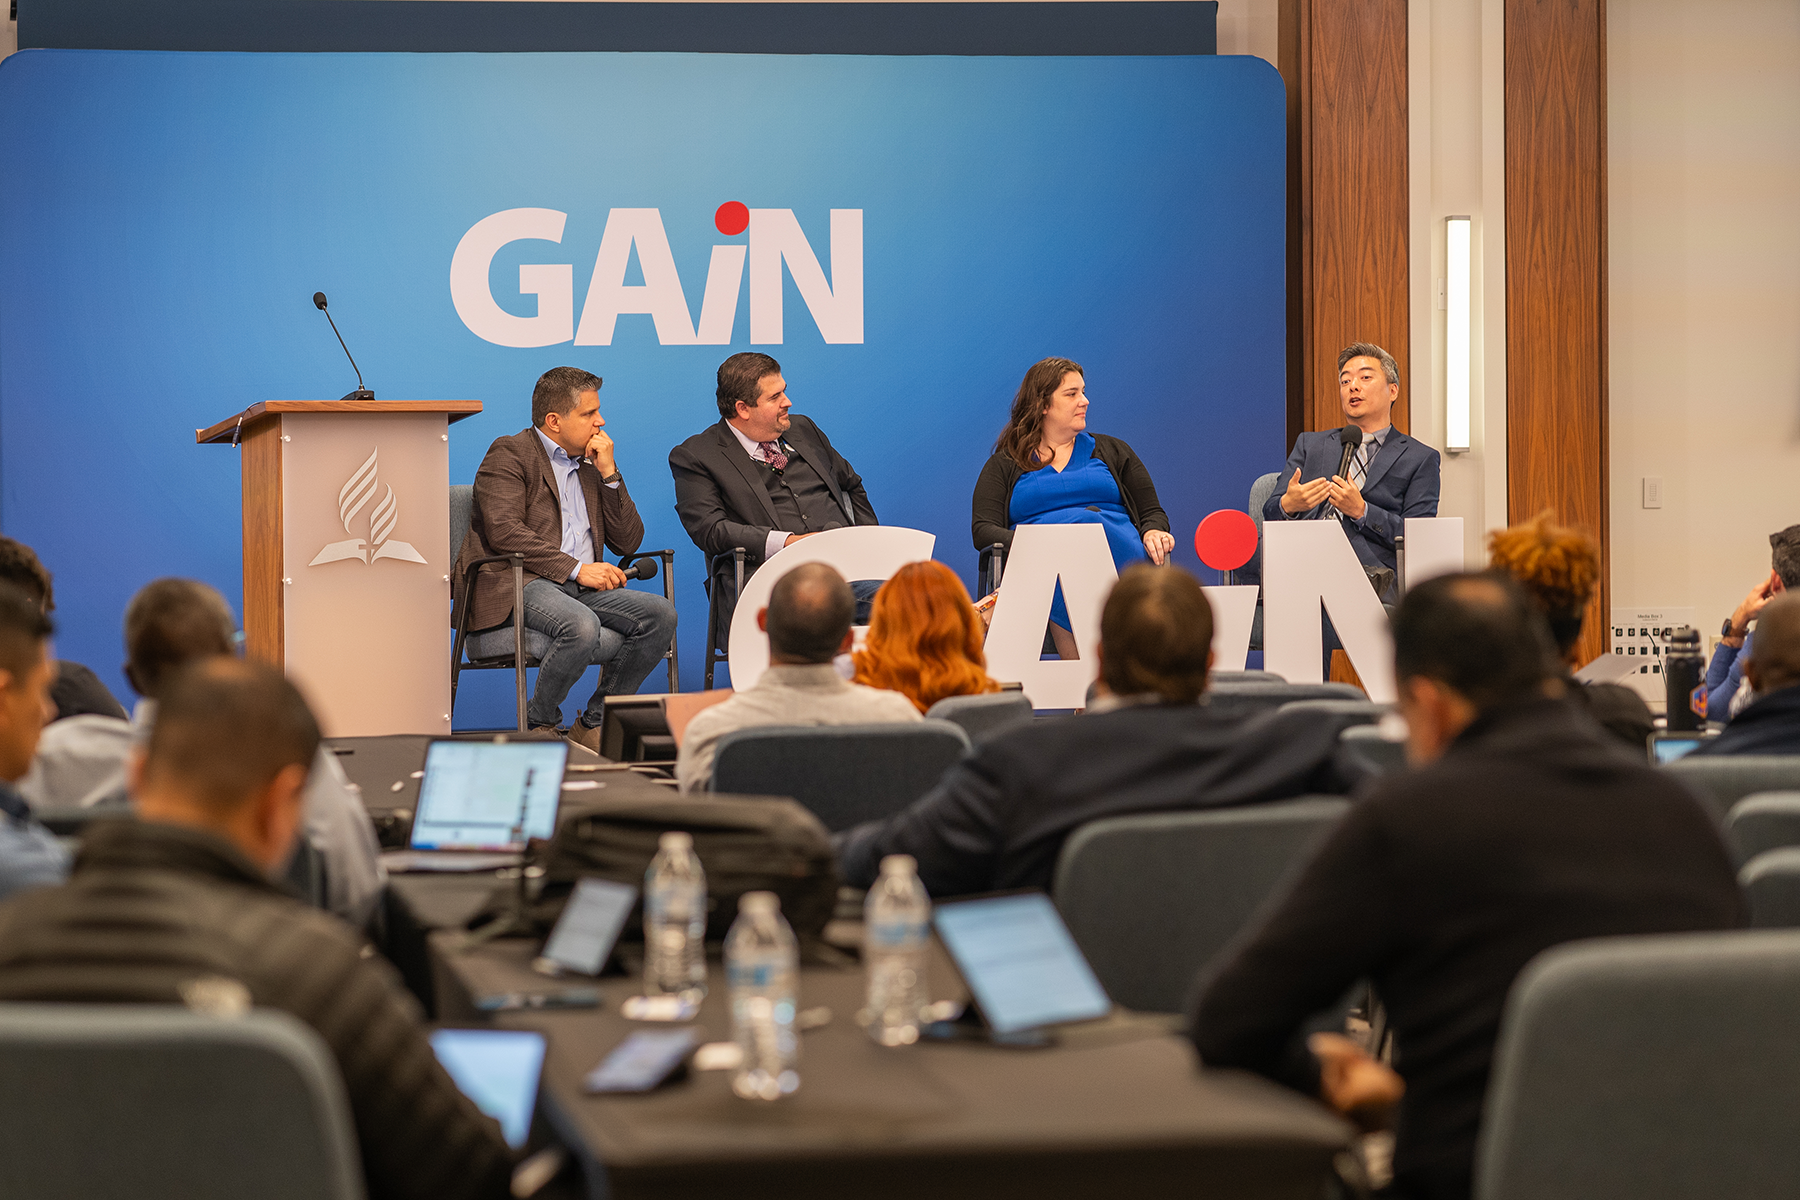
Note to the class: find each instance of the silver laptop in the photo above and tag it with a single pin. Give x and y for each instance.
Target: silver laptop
(480, 802)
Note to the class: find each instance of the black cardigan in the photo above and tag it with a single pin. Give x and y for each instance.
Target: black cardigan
(994, 489)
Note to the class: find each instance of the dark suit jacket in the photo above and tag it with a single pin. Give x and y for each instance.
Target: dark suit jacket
(518, 509)
(722, 501)
(1768, 725)
(1402, 482)
(998, 819)
(1534, 829)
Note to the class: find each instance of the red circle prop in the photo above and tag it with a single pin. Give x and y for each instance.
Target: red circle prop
(732, 218)
(1226, 539)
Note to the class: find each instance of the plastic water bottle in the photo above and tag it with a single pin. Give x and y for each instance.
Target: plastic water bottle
(762, 966)
(896, 928)
(675, 921)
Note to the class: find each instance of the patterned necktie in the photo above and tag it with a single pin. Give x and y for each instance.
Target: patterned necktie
(1359, 469)
(773, 456)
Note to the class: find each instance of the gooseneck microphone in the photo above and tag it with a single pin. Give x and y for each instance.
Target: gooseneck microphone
(1351, 437)
(361, 392)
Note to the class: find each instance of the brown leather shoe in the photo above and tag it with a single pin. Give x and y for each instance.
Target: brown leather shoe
(588, 738)
(553, 730)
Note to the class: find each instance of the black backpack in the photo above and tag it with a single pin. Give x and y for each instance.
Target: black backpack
(744, 843)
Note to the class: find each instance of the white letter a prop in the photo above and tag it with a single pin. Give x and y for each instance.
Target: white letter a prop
(1040, 556)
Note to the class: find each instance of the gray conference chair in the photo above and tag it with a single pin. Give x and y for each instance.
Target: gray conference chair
(984, 716)
(1764, 821)
(1771, 883)
(142, 1102)
(1223, 677)
(1237, 697)
(1361, 712)
(512, 647)
(1369, 746)
(845, 774)
(1153, 898)
(1647, 1068)
(1260, 491)
(1721, 780)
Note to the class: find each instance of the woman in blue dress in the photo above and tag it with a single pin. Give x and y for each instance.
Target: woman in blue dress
(1048, 470)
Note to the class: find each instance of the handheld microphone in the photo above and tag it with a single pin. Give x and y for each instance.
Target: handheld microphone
(1351, 437)
(361, 392)
(643, 568)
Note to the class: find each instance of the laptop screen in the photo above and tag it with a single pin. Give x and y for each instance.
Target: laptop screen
(1020, 961)
(488, 795)
(498, 1069)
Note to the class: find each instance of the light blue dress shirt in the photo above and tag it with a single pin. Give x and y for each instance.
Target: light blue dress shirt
(30, 855)
(577, 530)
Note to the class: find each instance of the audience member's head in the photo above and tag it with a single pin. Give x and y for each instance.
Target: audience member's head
(1156, 635)
(19, 566)
(25, 676)
(1464, 644)
(1784, 553)
(169, 624)
(924, 638)
(229, 753)
(1775, 654)
(1557, 566)
(808, 617)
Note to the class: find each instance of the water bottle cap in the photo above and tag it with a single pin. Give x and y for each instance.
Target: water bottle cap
(759, 902)
(675, 841)
(899, 864)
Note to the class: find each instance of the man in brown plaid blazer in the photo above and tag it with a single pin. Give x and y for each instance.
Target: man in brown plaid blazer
(554, 494)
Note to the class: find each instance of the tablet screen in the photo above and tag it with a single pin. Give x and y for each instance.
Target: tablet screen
(498, 1069)
(1020, 961)
(1665, 748)
(590, 924)
(488, 795)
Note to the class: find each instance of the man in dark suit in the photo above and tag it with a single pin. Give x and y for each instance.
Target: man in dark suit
(554, 494)
(1770, 723)
(1391, 477)
(998, 819)
(1522, 827)
(762, 478)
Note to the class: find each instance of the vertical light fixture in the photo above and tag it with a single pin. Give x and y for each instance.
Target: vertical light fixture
(1457, 334)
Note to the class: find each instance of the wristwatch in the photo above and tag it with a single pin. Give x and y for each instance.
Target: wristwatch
(1728, 632)
(617, 477)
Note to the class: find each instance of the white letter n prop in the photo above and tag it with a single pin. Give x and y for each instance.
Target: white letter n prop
(1042, 554)
(1306, 563)
(859, 552)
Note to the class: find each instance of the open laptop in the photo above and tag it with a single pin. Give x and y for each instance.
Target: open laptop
(1666, 747)
(1022, 966)
(480, 802)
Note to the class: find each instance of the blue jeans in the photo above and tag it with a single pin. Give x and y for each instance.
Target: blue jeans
(626, 632)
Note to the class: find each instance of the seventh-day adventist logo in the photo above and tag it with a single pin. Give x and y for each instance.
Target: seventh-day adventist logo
(353, 497)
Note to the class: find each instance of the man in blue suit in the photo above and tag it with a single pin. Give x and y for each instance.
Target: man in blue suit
(1391, 477)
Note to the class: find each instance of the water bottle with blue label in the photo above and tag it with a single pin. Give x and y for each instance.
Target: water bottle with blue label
(675, 922)
(896, 931)
(762, 967)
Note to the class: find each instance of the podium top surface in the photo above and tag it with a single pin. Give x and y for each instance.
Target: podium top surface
(225, 430)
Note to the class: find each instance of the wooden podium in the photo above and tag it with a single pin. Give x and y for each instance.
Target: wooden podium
(347, 558)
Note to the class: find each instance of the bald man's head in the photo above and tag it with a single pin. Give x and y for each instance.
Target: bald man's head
(1775, 650)
(809, 615)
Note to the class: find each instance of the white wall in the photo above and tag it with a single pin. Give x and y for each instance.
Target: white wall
(1703, 162)
(1249, 27)
(1456, 167)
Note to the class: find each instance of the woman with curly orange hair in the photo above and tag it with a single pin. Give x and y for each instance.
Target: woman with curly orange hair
(1560, 568)
(924, 638)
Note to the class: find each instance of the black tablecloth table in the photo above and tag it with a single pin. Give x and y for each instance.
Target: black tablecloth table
(1116, 1109)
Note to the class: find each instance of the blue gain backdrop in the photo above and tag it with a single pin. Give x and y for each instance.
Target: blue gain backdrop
(166, 217)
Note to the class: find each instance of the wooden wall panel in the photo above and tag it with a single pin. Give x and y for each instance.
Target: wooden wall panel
(1556, 419)
(1346, 67)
